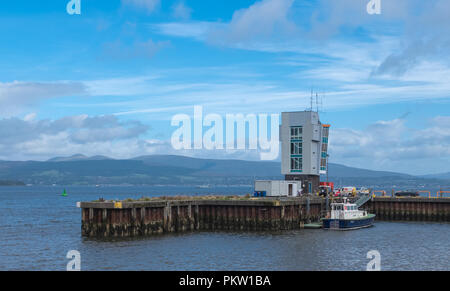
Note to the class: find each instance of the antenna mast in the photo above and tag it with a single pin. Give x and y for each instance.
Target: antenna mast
(317, 102)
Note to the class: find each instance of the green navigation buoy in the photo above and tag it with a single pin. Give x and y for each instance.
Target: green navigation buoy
(64, 194)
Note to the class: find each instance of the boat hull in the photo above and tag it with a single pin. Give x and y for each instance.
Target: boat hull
(349, 224)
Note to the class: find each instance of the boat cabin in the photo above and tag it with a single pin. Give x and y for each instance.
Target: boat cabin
(346, 211)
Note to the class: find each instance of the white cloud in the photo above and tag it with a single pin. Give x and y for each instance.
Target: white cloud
(138, 49)
(264, 19)
(181, 11)
(407, 33)
(392, 145)
(198, 30)
(351, 88)
(26, 138)
(422, 28)
(148, 5)
(15, 97)
(90, 136)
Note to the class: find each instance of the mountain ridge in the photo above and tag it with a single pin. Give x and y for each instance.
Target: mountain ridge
(180, 170)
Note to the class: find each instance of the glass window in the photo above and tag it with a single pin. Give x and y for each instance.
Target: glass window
(296, 148)
(296, 132)
(296, 164)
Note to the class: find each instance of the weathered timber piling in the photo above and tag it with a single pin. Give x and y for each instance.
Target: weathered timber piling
(130, 219)
(140, 218)
(410, 209)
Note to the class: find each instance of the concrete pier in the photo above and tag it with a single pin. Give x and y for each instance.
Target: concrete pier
(129, 219)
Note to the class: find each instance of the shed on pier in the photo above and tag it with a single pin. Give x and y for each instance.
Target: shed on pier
(277, 188)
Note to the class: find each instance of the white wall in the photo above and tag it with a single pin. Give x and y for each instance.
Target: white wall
(278, 187)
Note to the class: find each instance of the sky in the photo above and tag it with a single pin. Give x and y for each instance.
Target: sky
(109, 81)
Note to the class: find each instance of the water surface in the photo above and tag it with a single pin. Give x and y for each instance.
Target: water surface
(38, 227)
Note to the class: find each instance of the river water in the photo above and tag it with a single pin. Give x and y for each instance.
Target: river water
(38, 227)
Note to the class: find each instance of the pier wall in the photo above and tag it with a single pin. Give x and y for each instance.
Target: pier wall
(129, 219)
(410, 209)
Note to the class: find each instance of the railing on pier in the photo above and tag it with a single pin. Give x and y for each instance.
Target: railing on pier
(382, 192)
(426, 192)
(439, 194)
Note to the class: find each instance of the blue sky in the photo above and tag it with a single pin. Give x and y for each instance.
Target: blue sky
(108, 81)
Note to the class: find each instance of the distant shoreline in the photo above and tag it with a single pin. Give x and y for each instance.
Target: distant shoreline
(11, 183)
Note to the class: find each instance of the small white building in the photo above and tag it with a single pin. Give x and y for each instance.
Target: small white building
(278, 188)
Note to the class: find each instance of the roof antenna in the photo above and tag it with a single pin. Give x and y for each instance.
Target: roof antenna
(321, 101)
(317, 102)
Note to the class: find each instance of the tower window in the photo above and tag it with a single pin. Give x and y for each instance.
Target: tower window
(296, 148)
(296, 164)
(296, 132)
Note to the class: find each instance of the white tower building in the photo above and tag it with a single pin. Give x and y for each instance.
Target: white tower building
(304, 148)
(304, 153)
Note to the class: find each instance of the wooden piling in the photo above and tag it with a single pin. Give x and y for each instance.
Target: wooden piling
(130, 219)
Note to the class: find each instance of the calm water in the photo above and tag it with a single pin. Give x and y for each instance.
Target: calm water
(38, 227)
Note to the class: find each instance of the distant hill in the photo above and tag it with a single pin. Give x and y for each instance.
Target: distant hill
(78, 158)
(178, 170)
(210, 167)
(341, 171)
(11, 183)
(438, 176)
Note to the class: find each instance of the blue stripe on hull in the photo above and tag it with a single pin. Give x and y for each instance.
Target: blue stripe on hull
(347, 224)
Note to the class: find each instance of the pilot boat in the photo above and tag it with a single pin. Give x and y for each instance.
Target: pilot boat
(347, 216)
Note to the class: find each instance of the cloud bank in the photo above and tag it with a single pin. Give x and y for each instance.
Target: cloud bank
(17, 96)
